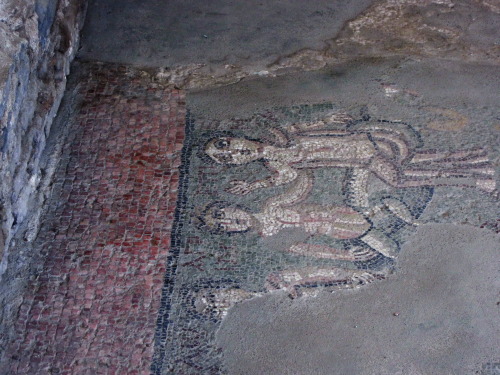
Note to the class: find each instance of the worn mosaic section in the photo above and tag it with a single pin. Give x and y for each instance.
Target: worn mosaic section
(490, 369)
(299, 200)
(92, 307)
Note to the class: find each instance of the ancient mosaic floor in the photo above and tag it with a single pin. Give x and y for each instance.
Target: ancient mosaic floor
(163, 219)
(298, 199)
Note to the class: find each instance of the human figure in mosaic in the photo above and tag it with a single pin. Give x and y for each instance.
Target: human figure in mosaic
(296, 282)
(367, 148)
(287, 211)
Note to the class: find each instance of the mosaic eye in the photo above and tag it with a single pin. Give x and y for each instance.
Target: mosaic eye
(221, 144)
(218, 214)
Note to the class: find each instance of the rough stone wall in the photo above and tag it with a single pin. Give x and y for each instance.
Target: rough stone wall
(39, 39)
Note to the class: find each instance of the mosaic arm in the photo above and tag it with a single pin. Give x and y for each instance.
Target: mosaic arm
(327, 252)
(305, 281)
(297, 191)
(282, 174)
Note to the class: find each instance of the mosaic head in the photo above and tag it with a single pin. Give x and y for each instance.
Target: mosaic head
(221, 217)
(233, 150)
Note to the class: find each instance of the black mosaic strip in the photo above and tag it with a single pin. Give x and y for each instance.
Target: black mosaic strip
(174, 253)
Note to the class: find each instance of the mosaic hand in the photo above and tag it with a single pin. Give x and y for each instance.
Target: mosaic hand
(362, 254)
(240, 187)
(367, 278)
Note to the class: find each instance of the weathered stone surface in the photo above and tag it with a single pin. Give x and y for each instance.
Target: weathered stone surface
(190, 45)
(455, 29)
(39, 39)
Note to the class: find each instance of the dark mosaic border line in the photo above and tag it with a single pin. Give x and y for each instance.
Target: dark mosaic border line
(174, 252)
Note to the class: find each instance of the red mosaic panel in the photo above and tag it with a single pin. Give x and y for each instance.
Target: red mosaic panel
(94, 307)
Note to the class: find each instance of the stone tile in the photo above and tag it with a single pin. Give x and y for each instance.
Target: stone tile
(106, 236)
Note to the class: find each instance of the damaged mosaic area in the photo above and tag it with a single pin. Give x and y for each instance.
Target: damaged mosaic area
(295, 200)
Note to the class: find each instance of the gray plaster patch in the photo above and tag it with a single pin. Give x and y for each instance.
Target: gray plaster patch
(438, 314)
(417, 84)
(256, 33)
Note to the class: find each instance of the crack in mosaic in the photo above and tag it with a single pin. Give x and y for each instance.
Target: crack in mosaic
(300, 200)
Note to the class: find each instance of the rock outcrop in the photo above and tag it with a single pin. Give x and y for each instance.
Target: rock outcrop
(39, 40)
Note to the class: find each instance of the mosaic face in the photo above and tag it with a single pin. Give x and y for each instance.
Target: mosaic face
(227, 219)
(229, 150)
(330, 199)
